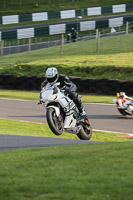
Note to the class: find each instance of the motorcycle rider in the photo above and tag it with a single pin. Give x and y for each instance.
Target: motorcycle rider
(52, 76)
(122, 97)
(73, 35)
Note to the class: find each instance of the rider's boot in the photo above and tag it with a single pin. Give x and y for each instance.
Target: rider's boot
(82, 110)
(83, 113)
(77, 101)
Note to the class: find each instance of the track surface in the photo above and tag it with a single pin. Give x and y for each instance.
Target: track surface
(102, 117)
(28, 111)
(8, 142)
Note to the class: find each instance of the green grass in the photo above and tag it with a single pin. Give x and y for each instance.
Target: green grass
(91, 172)
(115, 59)
(16, 94)
(34, 95)
(15, 127)
(13, 7)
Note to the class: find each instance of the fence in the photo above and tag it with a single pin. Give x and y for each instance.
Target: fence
(65, 14)
(111, 52)
(87, 41)
(61, 28)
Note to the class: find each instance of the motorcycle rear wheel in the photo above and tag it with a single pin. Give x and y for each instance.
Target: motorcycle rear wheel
(85, 132)
(54, 123)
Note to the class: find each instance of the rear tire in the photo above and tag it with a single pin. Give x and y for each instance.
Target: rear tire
(85, 132)
(55, 124)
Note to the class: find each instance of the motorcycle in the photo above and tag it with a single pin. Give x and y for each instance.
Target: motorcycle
(62, 114)
(125, 108)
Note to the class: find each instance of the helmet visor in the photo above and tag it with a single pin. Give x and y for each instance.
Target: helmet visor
(51, 80)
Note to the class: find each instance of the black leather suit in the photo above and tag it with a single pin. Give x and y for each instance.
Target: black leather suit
(70, 90)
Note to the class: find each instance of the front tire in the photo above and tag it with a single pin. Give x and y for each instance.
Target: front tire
(55, 123)
(123, 112)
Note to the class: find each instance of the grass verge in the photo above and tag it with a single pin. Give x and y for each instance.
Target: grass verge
(34, 95)
(92, 171)
(13, 7)
(15, 127)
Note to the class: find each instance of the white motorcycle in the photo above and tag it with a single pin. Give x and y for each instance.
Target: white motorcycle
(62, 114)
(125, 108)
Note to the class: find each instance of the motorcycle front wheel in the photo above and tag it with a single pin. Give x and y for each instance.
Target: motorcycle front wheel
(55, 123)
(122, 112)
(85, 132)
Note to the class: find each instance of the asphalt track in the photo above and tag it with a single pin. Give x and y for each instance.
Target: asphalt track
(102, 117)
(8, 142)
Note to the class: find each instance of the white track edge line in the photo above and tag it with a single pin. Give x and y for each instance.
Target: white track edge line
(109, 131)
